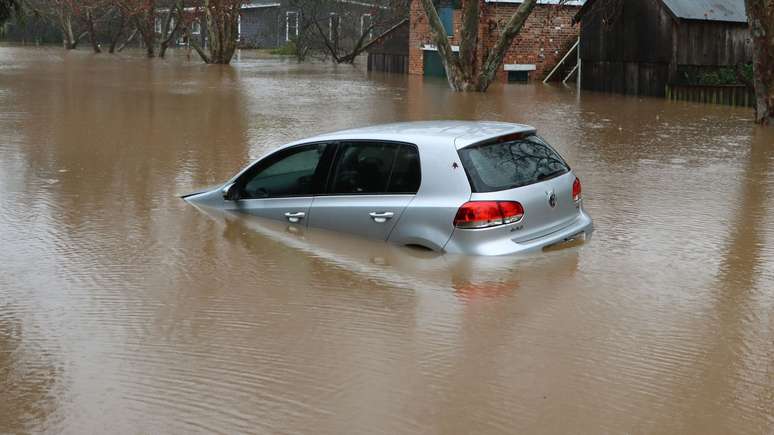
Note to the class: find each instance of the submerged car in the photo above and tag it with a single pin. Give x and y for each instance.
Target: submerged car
(479, 188)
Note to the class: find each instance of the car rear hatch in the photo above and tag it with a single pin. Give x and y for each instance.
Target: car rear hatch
(523, 169)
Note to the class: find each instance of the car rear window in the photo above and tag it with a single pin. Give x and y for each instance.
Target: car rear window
(511, 164)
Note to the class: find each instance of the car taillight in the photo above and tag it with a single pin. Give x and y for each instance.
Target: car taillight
(485, 214)
(576, 190)
(512, 211)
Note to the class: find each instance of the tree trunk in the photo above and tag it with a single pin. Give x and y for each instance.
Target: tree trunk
(466, 72)
(66, 25)
(223, 30)
(450, 62)
(118, 32)
(196, 46)
(468, 56)
(168, 34)
(145, 25)
(90, 28)
(329, 45)
(760, 15)
(496, 55)
(128, 40)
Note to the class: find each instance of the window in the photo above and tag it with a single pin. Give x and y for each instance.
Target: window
(375, 167)
(518, 76)
(291, 25)
(290, 172)
(196, 28)
(333, 27)
(366, 25)
(406, 175)
(157, 25)
(511, 163)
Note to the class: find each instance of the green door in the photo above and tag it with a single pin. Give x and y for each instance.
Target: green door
(433, 64)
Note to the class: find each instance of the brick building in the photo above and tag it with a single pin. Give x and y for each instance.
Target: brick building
(545, 38)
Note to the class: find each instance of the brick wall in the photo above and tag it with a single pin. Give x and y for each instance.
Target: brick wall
(543, 40)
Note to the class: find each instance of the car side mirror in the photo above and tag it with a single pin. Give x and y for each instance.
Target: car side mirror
(229, 192)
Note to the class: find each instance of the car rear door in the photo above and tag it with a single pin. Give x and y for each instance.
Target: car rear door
(370, 185)
(282, 185)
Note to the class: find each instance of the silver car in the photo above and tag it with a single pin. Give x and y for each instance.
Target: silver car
(479, 188)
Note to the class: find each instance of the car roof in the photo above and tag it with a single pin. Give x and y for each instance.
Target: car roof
(458, 133)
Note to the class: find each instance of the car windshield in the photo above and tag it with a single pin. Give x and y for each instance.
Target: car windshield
(510, 164)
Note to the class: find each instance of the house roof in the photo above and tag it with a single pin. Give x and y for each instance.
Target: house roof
(712, 10)
(729, 11)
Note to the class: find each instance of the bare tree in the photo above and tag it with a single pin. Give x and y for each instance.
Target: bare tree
(8, 9)
(142, 14)
(76, 19)
(466, 72)
(171, 22)
(61, 13)
(221, 18)
(343, 30)
(760, 15)
(116, 25)
(92, 13)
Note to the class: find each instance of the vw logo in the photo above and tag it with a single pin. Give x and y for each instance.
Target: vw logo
(552, 199)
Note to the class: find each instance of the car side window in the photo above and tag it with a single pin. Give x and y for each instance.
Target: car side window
(290, 172)
(406, 174)
(363, 167)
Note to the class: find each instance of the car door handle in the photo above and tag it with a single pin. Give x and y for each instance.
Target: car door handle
(295, 217)
(382, 217)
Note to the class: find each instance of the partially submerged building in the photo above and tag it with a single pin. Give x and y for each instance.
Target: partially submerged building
(267, 23)
(545, 39)
(392, 53)
(640, 47)
(274, 23)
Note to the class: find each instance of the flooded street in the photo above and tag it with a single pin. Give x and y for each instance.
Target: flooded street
(125, 310)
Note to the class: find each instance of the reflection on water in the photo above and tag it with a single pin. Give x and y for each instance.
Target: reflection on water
(124, 309)
(27, 377)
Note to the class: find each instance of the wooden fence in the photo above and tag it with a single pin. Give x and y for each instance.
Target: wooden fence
(730, 95)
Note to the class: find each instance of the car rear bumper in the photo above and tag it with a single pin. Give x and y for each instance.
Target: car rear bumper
(476, 242)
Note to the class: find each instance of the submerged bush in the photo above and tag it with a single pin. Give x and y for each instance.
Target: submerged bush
(726, 76)
(288, 49)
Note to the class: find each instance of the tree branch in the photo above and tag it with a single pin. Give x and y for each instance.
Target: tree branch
(203, 54)
(327, 42)
(496, 54)
(441, 39)
(359, 48)
(128, 40)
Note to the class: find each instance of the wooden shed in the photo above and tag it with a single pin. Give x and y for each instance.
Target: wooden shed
(640, 46)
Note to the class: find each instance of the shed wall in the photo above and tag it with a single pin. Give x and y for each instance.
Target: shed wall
(640, 47)
(627, 50)
(701, 43)
(263, 27)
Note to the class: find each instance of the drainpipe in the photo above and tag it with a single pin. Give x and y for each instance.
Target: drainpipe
(580, 65)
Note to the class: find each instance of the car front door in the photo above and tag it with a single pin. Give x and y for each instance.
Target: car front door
(282, 185)
(370, 185)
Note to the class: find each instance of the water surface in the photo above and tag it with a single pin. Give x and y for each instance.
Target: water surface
(125, 310)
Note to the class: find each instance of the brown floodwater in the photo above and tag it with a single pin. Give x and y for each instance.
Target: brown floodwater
(125, 310)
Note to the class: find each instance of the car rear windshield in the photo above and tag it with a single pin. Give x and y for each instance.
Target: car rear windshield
(510, 164)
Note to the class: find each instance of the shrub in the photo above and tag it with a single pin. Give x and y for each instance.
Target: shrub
(725, 76)
(288, 49)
